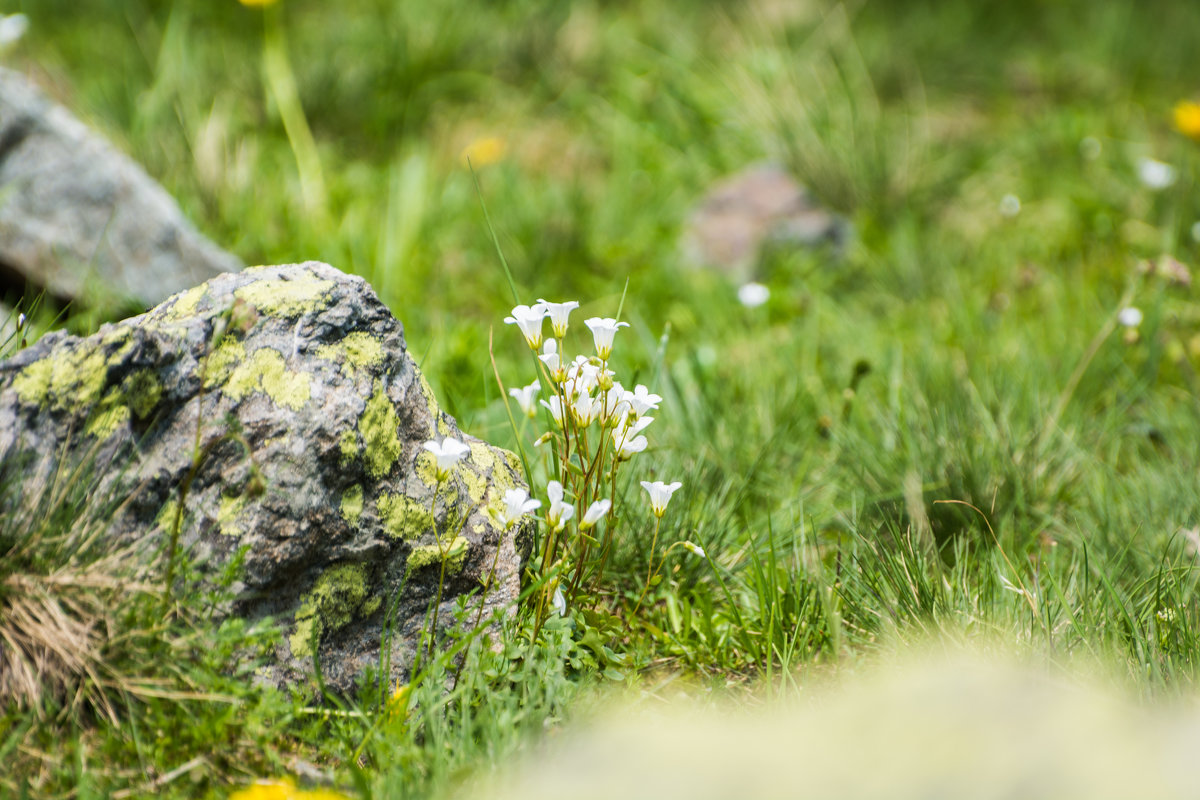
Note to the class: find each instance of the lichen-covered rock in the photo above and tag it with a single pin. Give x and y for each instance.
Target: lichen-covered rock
(311, 374)
(744, 211)
(78, 216)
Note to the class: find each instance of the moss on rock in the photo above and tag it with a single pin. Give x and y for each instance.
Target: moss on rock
(280, 297)
(358, 350)
(379, 425)
(403, 517)
(352, 504)
(266, 372)
(456, 555)
(339, 596)
(68, 379)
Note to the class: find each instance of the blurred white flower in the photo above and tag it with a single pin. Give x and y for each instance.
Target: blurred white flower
(660, 494)
(529, 320)
(594, 514)
(554, 405)
(1130, 317)
(524, 398)
(558, 602)
(695, 548)
(1154, 174)
(559, 512)
(603, 331)
(1010, 205)
(558, 315)
(753, 295)
(516, 504)
(12, 28)
(448, 453)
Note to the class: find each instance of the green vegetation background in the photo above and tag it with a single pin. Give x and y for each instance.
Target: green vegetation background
(992, 369)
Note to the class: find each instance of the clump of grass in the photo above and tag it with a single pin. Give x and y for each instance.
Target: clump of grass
(61, 585)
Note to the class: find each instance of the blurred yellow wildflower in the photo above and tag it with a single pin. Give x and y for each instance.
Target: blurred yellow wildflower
(482, 152)
(284, 790)
(398, 703)
(1187, 118)
(258, 2)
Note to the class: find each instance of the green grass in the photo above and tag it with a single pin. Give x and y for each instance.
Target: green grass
(836, 521)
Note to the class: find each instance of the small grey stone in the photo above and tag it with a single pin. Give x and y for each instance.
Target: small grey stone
(78, 215)
(313, 375)
(742, 212)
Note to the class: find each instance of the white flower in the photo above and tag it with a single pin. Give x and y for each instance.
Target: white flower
(631, 429)
(753, 295)
(524, 398)
(628, 448)
(12, 28)
(1130, 317)
(558, 315)
(613, 406)
(584, 410)
(660, 494)
(594, 514)
(448, 453)
(1010, 205)
(517, 503)
(554, 405)
(603, 331)
(695, 548)
(582, 377)
(529, 320)
(558, 602)
(559, 512)
(641, 400)
(553, 363)
(1155, 174)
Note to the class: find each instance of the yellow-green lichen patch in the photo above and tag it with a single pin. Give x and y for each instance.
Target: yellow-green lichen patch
(339, 595)
(265, 372)
(403, 517)
(426, 468)
(358, 350)
(186, 302)
(70, 378)
(221, 361)
(435, 413)
(352, 504)
(280, 297)
(476, 480)
(348, 446)
(379, 426)
(108, 415)
(227, 513)
(142, 391)
(456, 555)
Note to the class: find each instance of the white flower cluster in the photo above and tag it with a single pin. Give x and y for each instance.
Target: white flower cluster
(596, 426)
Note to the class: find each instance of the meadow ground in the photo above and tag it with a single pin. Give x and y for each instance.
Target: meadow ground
(945, 429)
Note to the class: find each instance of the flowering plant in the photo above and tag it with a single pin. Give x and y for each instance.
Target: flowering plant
(595, 427)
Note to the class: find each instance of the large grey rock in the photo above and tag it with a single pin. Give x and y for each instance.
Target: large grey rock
(313, 373)
(78, 216)
(739, 214)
